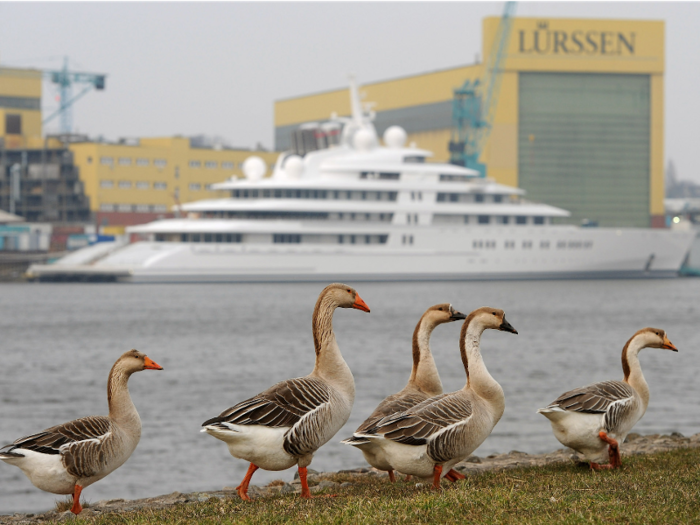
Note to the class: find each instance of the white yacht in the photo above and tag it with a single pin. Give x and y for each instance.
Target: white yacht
(342, 207)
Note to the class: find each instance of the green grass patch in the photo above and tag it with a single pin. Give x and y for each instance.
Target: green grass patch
(658, 488)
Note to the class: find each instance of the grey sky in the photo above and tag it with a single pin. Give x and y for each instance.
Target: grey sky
(216, 68)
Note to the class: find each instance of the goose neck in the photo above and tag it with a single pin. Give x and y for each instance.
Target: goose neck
(633, 369)
(121, 408)
(424, 374)
(479, 380)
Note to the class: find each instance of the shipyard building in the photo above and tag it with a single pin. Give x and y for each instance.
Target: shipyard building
(578, 122)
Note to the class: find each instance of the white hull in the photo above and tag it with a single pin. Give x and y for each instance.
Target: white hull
(438, 253)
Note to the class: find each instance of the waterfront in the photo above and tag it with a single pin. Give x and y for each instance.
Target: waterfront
(220, 344)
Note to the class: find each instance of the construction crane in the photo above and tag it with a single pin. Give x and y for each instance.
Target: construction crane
(65, 80)
(474, 104)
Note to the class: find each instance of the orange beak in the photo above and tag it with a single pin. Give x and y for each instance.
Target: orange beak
(151, 364)
(668, 345)
(360, 304)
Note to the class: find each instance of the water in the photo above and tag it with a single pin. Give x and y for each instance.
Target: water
(220, 344)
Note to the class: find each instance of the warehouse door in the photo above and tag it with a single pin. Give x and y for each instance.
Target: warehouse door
(583, 142)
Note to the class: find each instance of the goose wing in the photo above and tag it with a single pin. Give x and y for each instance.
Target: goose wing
(393, 404)
(79, 442)
(614, 399)
(303, 404)
(423, 422)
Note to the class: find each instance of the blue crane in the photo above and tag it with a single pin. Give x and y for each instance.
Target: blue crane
(474, 104)
(65, 80)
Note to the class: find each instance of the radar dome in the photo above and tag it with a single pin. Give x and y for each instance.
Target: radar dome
(254, 168)
(294, 166)
(395, 137)
(363, 139)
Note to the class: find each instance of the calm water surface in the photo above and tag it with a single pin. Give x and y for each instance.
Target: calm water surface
(220, 344)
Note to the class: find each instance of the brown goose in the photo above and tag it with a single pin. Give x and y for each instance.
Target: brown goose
(67, 458)
(284, 425)
(428, 439)
(599, 416)
(423, 383)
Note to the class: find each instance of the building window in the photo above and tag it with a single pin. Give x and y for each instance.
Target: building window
(195, 164)
(142, 162)
(195, 186)
(124, 161)
(107, 184)
(286, 238)
(106, 207)
(160, 207)
(160, 163)
(484, 219)
(124, 207)
(143, 208)
(208, 187)
(211, 164)
(124, 184)
(89, 160)
(107, 161)
(13, 124)
(142, 185)
(520, 220)
(160, 185)
(227, 165)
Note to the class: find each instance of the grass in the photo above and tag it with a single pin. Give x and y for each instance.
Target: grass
(658, 488)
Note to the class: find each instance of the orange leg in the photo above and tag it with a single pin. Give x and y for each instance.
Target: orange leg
(596, 466)
(76, 508)
(305, 492)
(613, 449)
(242, 489)
(392, 478)
(408, 477)
(437, 472)
(453, 475)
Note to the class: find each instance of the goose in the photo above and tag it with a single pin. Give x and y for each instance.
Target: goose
(285, 425)
(67, 458)
(599, 416)
(428, 439)
(423, 383)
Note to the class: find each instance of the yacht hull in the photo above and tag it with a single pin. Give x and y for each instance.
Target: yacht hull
(436, 254)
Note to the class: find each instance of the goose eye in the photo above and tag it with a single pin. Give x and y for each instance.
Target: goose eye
(494, 313)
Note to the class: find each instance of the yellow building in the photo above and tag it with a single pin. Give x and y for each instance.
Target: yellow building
(20, 107)
(579, 120)
(132, 183)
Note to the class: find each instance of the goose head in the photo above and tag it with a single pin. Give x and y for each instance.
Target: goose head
(442, 313)
(345, 296)
(654, 338)
(492, 318)
(135, 361)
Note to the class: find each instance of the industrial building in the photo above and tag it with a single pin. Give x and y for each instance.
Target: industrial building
(578, 122)
(68, 178)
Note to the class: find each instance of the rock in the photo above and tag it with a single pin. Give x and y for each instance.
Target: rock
(327, 485)
(229, 489)
(345, 485)
(309, 472)
(677, 435)
(517, 453)
(65, 516)
(632, 436)
(287, 488)
(473, 459)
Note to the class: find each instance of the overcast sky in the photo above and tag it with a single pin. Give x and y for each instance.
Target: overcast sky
(217, 68)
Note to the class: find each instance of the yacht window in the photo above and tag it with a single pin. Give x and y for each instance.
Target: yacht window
(364, 196)
(341, 239)
(441, 197)
(479, 197)
(278, 194)
(504, 219)
(544, 245)
(588, 244)
(195, 237)
(414, 159)
(286, 238)
(335, 194)
(527, 244)
(392, 195)
(297, 194)
(520, 220)
(575, 244)
(352, 239)
(484, 219)
(410, 239)
(208, 237)
(160, 237)
(490, 244)
(454, 197)
(413, 195)
(219, 237)
(420, 195)
(288, 194)
(254, 194)
(266, 194)
(367, 216)
(539, 220)
(561, 244)
(184, 237)
(352, 216)
(509, 244)
(497, 198)
(389, 176)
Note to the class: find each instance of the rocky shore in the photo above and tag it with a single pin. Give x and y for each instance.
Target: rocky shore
(634, 445)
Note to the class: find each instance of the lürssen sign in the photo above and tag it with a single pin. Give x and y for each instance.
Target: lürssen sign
(543, 40)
